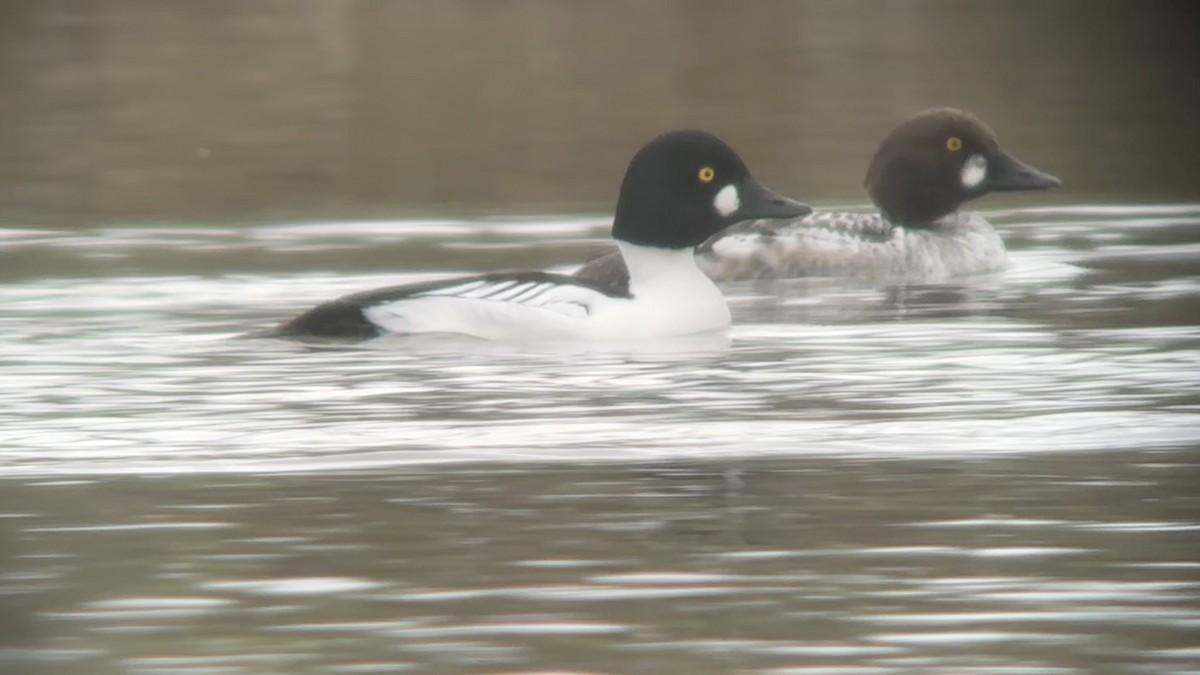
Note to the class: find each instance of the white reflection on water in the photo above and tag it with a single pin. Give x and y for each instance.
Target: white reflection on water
(990, 476)
(126, 367)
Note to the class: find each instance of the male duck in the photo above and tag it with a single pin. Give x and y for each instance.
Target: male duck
(680, 188)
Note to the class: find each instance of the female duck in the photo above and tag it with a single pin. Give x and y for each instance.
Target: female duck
(680, 188)
(922, 173)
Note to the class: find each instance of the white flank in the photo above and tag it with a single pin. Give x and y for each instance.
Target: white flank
(974, 170)
(671, 297)
(503, 310)
(727, 201)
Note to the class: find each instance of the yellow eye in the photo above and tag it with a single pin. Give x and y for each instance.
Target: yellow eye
(706, 174)
(954, 144)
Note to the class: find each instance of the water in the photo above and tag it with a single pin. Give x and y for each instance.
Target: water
(992, 475)
(996, 565)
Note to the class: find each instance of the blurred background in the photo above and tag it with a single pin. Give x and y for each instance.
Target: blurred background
(145, 111)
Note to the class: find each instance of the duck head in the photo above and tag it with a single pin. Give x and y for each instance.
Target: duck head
(684, 186)
(932, 163)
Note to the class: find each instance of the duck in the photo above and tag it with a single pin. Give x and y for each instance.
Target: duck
(922, 173)
(679, 189)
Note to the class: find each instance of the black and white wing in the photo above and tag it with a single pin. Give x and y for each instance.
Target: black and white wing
(495, 306)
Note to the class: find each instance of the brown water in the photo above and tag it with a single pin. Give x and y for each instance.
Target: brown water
(997, 565)
(194, 112)
(992, 475)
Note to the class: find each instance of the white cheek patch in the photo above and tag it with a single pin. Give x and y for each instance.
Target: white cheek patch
(974, 170)
(727, 201)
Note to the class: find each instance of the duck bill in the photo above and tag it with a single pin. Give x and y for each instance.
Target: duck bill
(759, 202)
(1009, 174)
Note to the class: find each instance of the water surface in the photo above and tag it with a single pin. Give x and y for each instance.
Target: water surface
(997, 474)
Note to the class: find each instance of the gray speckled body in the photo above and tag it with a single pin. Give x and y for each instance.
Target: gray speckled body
(837, 244)
(863, 245)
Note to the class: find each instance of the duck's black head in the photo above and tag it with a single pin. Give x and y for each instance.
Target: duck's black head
(684, 186)
(932, 163)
